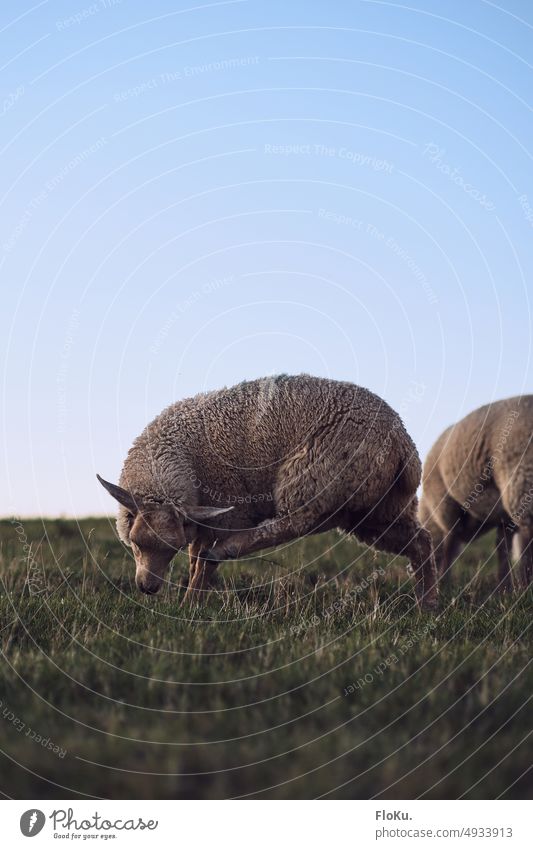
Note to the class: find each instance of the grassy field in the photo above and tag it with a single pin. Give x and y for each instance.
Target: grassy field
(313, 675)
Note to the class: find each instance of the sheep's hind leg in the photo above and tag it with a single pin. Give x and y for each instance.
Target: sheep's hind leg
(406, 537)
(266, 535)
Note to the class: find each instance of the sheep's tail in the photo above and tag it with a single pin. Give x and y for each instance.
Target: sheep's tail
(409, 472)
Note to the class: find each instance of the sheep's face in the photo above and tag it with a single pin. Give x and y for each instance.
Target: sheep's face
(155, 535)
(156, 532)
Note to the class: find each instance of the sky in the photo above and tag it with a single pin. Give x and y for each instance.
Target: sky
(193, 194)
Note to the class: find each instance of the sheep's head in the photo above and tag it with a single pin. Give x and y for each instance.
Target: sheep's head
(155, 532)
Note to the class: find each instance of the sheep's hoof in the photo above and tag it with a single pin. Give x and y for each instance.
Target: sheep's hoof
(230, 552)
(187, 600)
(429, 604)
(210, 555)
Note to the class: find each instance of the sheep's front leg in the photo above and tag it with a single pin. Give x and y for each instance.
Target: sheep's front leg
(201, 572)
(504, 544)
(194, 551)
(449, 551)
(525, 539)
(269, 533)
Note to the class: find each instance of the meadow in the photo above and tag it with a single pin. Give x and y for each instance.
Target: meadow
(308, 673)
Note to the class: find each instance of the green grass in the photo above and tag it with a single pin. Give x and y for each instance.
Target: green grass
(251, 695)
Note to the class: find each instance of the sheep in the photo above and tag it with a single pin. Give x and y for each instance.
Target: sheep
(478, 476)
(271, 460)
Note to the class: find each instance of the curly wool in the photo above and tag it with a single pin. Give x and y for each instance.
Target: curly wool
(309, 447)
(479, 472)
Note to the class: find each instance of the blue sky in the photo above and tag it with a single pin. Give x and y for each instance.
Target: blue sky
(192, 196)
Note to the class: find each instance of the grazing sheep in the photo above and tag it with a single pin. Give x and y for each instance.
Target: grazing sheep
(272, 460)
(477, 476)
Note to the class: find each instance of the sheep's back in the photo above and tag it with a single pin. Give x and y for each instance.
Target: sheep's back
(478, 456)
(231, 443)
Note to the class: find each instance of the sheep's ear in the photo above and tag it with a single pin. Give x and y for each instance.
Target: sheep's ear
(198, 513)
(121, 495)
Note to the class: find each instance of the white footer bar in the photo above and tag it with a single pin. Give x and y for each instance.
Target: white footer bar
(267, 824)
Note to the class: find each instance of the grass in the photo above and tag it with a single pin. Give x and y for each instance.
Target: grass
(308, 673)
